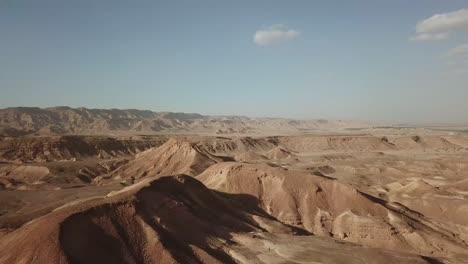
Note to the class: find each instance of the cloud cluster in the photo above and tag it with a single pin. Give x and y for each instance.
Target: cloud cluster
(458, 52)
(440, 26)
(430, 37)
(274, 35)
(457, 60)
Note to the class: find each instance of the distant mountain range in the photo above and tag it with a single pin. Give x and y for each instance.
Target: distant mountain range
(17, 121)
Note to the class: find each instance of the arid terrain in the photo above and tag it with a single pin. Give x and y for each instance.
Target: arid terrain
(130, 186)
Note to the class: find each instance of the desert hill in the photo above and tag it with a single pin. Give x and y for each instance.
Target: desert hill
(174, 220)
(173, 157)
(279, 153)
(327, 207)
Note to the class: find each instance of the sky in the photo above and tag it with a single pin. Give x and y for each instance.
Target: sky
(374, 60)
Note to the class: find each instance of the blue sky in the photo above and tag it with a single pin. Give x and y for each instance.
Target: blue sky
(369, 60)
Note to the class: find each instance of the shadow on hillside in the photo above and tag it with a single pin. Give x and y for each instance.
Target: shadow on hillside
(185, 216)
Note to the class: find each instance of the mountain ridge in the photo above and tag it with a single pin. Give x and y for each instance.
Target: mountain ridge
(63, 120)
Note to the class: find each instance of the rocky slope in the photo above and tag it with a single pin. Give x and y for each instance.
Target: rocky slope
(59, 148)
(327, 207)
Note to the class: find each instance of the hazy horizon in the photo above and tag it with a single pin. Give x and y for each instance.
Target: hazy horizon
(395, 62)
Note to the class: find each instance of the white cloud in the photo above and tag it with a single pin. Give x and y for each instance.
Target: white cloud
(274, 35)
(461, 72)
(458, 52)
(457, 60)
(439, 26)
(430, 37)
